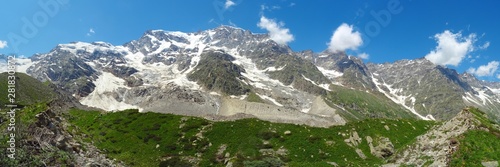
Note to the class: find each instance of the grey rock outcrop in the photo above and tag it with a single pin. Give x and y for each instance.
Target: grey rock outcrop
(383, 148)
(49, 132)
(490, 164)
(436, 142)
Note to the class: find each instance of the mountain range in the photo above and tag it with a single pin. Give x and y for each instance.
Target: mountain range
(218, 72)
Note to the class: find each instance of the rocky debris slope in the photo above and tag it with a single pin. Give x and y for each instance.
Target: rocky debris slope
(50, 132)
(232, 107)
(319, 107)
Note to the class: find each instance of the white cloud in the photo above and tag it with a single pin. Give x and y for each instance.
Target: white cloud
(345, 38)
(277, 31)
(264, 7)
(228, 4)
(292, 4)
(485, 45)
(91, 32)
(3, 44)
(498, 76)
(485, 70)
(452, 48)
(364, 56)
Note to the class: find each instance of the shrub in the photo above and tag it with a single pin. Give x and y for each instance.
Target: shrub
(117, 121)
(151, 137)
(267, 135)
(313, 139)
(188, 147)
(171, 147)
(189, 127)
(266, 146)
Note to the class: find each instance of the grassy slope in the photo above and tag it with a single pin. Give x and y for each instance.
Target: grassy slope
(362, 105)
(28, 90)
(175, 137)
(475, 147)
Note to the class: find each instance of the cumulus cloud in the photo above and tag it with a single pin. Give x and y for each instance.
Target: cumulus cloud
(228, 4)
(485, 70)
(364, 56)
(345, 38)
(277, 31)
(3, 44)
(452, 48)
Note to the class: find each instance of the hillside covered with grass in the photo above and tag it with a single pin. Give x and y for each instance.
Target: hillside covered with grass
(358, 105)
(151, 139)
(28, 90)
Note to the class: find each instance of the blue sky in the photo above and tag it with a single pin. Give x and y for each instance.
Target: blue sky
(462, 35)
